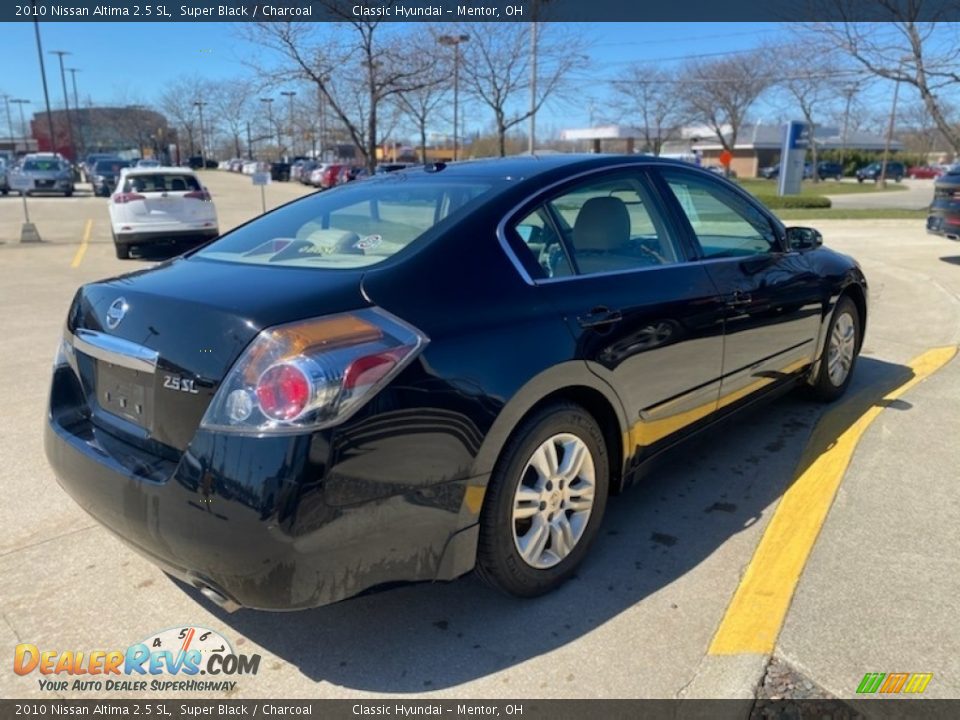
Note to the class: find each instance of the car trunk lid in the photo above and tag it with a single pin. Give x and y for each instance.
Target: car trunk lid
(152, 347)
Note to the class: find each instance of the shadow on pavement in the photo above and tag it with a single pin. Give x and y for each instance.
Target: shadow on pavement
(952, 259)
(431, 636)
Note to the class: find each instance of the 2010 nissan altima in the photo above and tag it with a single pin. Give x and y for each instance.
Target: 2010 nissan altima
(436, 370)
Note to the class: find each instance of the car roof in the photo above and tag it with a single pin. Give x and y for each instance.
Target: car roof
(521, 167)
(155, 170)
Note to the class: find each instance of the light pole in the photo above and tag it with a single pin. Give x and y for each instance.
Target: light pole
(23, 125)
(849, 92)
(893, 117)
(66, 101)
(203, 155)
(43, 76)
(288, 94)
(454, 41)
(532, 140)
(76, 109)
(269, 103)
(6, 102)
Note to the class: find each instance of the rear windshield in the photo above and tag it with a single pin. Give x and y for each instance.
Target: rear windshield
(354, 226)
(43, 165)
(161, 182)
(110, 165)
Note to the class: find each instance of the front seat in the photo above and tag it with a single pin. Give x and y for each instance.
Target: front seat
(601, 235)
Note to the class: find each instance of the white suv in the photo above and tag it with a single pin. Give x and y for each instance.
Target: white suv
(163, 204)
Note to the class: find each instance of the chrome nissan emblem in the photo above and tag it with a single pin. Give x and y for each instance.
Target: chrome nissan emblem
(118, 308)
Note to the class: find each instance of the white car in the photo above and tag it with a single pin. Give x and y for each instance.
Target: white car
(159, 205)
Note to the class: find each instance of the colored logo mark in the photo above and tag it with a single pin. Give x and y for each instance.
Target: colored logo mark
(893, 683)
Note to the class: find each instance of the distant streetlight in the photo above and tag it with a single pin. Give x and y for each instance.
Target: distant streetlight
(66, 101)
(6, 102)
(269, 103)
(43, 77)
(23, 124)
(289, 95)
(203, 155)
(848, 92)
(454, 41)
(76, 109)
(893, 117)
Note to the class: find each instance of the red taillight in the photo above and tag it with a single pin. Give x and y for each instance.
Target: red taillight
(369, 369)
(283, 392)
(199, 195)
(121, 198)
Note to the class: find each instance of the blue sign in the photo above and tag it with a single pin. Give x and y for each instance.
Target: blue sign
(793, 155)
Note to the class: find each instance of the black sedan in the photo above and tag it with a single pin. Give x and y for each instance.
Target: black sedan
(106, 174)
(435, 370)
(944, 214)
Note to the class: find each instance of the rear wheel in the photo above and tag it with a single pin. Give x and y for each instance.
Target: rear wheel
(122, 250)
(544, 503)
(839, 352)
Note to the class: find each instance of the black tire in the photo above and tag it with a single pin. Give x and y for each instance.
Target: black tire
(899, 178)
(123, 251)
(824, 389)
(859, 179)
(499, 562)
(68, 193)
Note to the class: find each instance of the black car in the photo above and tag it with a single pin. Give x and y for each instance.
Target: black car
(434, 370)
(895, 171)
(280, 171)
(944, 213)
(106, 173)
(828, 170)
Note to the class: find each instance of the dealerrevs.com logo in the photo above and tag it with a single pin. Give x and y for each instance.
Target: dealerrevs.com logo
(185, 653)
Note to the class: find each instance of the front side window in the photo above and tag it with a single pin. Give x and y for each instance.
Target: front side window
(725, 224)
(354, 226)
(604, 225)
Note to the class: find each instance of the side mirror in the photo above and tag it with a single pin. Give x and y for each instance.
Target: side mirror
(802, 238)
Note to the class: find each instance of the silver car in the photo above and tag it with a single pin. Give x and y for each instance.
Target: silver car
(47, 173)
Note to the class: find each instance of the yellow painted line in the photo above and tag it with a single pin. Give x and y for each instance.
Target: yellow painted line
(82, 250)
(756, 613)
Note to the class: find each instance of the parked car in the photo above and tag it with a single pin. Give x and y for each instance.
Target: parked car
(895, 171)
(352, 426)
(944, 215)
(359, 173)
(316, 175)
(333, 174)
(249, 167)
(160, 205)
(106, 174)
(280, 171)
(393, 167)
(4, 182)
(925, 172)
(197, 162)
(770, 172)
(47, 173)
(88, 165)
(829, 170)
(147, 163)
(306, 170)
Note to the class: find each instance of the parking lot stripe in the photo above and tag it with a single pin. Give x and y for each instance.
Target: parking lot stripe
(759, 606)
(81, 251)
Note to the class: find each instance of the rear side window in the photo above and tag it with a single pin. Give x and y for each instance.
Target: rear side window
(604, 225)
(161, 182)
(350, 227)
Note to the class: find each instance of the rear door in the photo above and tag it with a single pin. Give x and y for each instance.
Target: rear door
(773, 297)
(645, 318)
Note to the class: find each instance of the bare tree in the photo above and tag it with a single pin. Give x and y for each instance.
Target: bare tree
(924, 55)
(177, 102)
(355, 73)
(650, 95)
(421, 105)
(232, 105)
(720, 93)
(496, 69)
(812, 77)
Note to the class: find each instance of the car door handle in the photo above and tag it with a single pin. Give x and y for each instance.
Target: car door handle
(599, 316)
(739, 299)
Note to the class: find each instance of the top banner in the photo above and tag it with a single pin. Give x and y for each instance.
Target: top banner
(480, 11)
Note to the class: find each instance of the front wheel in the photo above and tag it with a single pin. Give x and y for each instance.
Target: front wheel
(544, 503)
(839, 352)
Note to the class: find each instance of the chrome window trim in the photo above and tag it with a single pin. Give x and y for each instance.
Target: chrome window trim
(518, 265)
(115, 350)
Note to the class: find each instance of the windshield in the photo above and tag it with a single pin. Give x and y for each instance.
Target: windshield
(43, 165)
(355, 226)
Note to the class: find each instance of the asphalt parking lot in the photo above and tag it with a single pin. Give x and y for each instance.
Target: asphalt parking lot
(662, 607)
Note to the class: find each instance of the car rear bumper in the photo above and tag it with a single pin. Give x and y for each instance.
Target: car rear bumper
(146, 236)
(945, 224)
(275, 523)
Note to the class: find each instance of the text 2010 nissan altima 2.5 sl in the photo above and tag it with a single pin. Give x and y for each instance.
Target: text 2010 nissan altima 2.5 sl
(432, 371)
